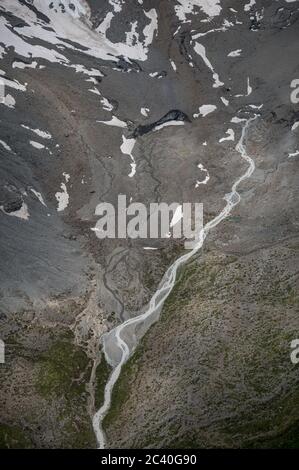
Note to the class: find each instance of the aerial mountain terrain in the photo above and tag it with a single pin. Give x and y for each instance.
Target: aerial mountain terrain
(138, 342)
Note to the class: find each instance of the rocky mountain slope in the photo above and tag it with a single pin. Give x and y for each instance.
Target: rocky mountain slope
(174, 79)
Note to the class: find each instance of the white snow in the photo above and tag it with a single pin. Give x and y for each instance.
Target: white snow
(13, 83)
(295, 125)
(248, 6)
(22, 213)
(186, 7)
(237, 120)
(9, 101)
(206, 178)
(39, 196)
(127, 149)
(92, 80)
(153, 74)
(235, 53)
(200, 49)
(95, 91)
(42, 134)
(230, 136)
(5, 145)
(22, 65)
(66, 176)
(62, 198)
(173, 65)
(19, 44)
(168, 123)
(151, 28)
(117, 4)
(144, 111)
(226, 25)
(2, 52)
(114, 122)
(224, 101)
(36, 145)
(254, 106)
(204, 110)
(249, 90)
(79, 68)
(294, 154)
(65, 30)
(106, 104)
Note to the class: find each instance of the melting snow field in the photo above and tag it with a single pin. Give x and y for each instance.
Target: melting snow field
(42, 134)
(67, 30)
(127, 149)
(167, 124)
(114, 121)
(5, 145)
(206, 177)
(230, 136)
(204, 110)
(21, 213)
(235, 53)
(62, 196)
(39, 196)
(210, 7)
(200, 49)
(294, 154)
(36, 145)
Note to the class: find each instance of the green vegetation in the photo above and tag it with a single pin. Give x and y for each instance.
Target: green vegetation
(121, 391)
(12, 437)
(102, 375)
(61, 369)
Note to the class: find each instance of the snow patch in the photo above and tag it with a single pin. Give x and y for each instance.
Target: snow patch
(127, 149)
(21, 213)
(204, 110)
(206, 178)
(62, 198)
(36, 145)
(39, 196)
(200, 49)
(235, 53)
(114, 122)
(5, 145)
(168, 123)
(230, 136)
(144, 111)
(42, 134)
(186, 7)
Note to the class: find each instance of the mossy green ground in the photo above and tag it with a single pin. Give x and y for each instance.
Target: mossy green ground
(12, 437)
(61, 369)
(59, 392)
(102, 375)
(269, 421)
